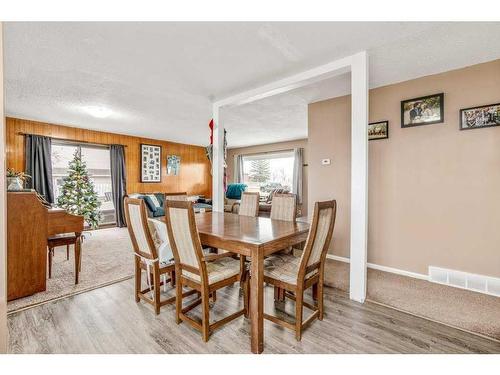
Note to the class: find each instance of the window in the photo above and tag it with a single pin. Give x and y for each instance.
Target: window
(99, 169)
(266, 172)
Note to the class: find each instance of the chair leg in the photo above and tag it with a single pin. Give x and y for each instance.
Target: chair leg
(67, 252)
(172, 278)
(205, 320)
(51, 252)
(315, 291)
(156, 286)
(276, 293)
(178, 298)
(299, 296)
(320, 300)
(214, 296)
(138, 275)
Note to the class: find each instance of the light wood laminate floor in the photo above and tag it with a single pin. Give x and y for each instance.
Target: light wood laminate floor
(108, 320)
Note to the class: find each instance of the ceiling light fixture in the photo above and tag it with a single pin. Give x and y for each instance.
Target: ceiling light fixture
(98, 111)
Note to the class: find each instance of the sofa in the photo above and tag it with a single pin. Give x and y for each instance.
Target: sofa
(154, 203)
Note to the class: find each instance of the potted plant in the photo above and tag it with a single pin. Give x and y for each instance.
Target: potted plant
(16, 180)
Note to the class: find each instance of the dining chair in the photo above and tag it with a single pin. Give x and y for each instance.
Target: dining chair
(296, 274)
(249, 205)
(284, 207)
(204, 273)
(146, 242)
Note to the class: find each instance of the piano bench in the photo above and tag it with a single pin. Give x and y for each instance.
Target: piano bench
(62, 240)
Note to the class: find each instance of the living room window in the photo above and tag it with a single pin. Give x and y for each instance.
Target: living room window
(268, 171)
(99, 169)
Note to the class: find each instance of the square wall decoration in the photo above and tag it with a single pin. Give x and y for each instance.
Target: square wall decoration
(480, 117)
(422, 111)
(150, 163)
(173, 165)
(378, 130)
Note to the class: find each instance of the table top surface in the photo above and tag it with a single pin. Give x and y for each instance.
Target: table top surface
(253, 230)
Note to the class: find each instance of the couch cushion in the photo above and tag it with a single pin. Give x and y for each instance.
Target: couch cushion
(160, 211)
(234, 190)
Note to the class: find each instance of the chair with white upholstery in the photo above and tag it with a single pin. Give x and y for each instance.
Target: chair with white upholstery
(249, 205)
(152, 254)
(284, 207)
(296, 274)
(201, 272)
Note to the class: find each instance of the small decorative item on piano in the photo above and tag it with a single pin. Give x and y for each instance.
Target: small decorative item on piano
(16, 180)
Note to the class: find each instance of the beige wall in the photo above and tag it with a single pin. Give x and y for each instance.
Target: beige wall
(301, 143)
(3, 248)
(433, 190)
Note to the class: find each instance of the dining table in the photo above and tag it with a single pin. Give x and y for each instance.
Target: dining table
(253, 238)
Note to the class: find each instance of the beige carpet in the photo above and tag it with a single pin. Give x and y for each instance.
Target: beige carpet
(474, 312)
(107, 257)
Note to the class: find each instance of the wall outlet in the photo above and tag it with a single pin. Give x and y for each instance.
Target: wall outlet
(325, 162)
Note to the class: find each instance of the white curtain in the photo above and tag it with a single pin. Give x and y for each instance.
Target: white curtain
(298, 162)
(238, 169)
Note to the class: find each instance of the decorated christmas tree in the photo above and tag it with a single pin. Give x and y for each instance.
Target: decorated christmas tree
(78, 195)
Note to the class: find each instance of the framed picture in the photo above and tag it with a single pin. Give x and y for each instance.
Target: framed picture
(378, 130)
(173, 165)
(484, 116)
(150, 163)
(422, 111)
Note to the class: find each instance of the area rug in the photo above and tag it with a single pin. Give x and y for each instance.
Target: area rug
(107, 257)
(467, 310)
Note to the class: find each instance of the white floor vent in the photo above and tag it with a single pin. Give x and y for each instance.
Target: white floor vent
(464, 280)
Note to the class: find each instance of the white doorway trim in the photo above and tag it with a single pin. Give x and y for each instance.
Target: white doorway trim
(357, 64)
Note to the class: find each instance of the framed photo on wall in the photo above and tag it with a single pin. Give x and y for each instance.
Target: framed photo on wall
(173, 165)
(378, 130)
(484, 116)
(150, 163)
(422, 111)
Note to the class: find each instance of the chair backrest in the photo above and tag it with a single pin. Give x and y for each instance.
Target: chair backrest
(320, 235)
(249, 205)
(284, 207)
(138, 228)
(184, 238)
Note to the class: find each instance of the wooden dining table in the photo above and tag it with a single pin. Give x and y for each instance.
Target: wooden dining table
(254, 238)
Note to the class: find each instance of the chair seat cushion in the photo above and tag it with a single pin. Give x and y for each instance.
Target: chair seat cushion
(218, 270)
(284, 267)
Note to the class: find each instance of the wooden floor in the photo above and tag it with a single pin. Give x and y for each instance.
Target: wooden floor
(108, 320)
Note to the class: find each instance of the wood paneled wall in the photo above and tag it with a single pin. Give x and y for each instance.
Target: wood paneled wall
(194, 177)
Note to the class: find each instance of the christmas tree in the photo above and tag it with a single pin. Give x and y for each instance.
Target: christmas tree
(78, 195)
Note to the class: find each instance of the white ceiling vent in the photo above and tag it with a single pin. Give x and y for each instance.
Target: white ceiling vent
(464, 280)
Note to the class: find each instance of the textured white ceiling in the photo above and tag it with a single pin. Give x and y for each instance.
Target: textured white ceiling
(158, 79)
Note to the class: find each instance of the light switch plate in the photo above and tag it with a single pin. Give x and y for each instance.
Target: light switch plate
(325, 162)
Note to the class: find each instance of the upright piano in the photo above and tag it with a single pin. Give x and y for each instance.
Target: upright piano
(30, 221)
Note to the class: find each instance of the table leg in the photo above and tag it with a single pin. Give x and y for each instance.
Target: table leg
(257, 302)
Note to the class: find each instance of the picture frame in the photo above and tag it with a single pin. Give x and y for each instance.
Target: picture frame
(173, 165)
(484, 116)
(378, 130)
(150, 163)
(425, 110)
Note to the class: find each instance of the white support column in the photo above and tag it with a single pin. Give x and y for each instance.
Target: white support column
(359, 176)
(218, 163)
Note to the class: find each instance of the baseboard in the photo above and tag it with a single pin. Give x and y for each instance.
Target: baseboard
(383, 268)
